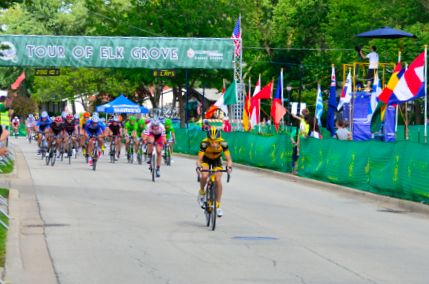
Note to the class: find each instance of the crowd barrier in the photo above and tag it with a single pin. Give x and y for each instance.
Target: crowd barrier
(399, 169)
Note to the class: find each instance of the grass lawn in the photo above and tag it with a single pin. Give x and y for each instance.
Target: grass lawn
(3, 232)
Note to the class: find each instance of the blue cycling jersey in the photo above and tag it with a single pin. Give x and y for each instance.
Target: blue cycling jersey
(43, 124)
(94, 130)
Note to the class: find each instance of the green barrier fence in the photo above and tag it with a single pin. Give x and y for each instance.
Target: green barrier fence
(398, 169)
(272, 152)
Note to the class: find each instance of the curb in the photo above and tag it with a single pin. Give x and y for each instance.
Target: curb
(381, 200)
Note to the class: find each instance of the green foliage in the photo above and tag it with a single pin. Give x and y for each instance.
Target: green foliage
(23, 105)
(276, 34)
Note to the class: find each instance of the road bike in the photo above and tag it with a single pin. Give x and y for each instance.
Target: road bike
(167, 154)
(141, 151)
(210, 208)
(130, 150)
(43, 146)
(112, 152)
(152, 167)
(51, 156)
(94, 153)
(68, 148)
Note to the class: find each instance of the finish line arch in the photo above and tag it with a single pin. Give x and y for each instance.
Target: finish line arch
(116, 52)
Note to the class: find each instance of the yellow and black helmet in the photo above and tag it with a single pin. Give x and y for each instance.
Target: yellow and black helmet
(213, 133)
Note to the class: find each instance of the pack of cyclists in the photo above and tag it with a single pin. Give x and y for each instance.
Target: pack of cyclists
(83, 129)
(156, 133)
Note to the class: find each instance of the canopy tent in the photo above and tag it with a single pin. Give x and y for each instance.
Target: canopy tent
(385, 32)
(121, 105)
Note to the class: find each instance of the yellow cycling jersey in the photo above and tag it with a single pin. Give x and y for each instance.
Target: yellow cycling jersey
(213, 153)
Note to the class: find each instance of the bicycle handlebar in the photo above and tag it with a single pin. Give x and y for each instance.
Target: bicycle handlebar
(228, 176)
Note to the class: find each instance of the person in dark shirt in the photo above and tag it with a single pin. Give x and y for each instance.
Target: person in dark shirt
(57, 129)
(115, 131)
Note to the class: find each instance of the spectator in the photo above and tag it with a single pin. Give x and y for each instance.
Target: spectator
(304, 125)
(206, 125)
(226, 125)
(373, 65)
(342, 132)
(3, 137)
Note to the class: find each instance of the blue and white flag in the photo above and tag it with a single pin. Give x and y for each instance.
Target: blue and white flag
(346, 94)
(319, 105)
(376, 91)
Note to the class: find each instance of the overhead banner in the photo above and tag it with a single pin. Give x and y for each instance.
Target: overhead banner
(116, 52)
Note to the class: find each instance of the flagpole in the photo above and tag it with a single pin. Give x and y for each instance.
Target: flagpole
(426, 97)
(397, 106)
(350, 108)
(281, 82)
(259, 107)
(249, 118)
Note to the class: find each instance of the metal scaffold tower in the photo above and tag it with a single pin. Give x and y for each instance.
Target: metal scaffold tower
(237, 109)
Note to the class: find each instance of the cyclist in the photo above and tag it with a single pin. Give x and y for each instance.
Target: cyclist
(57, 129)
(141, 127)
(114, 129)
(94, 129)
(15, 125)
(83, 136)
(70, 130)
(30, 123)
(42, 126)
(130, 128)
(155, 133)
(210, 154)
(169, 132)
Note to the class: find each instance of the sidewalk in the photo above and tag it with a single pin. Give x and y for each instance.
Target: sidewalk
(27, 255)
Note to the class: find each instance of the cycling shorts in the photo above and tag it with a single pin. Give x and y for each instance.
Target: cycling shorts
(215, 164)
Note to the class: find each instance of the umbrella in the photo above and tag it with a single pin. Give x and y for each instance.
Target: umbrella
(385, 32)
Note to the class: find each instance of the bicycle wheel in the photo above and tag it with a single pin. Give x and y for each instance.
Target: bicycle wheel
(94, 158)
(140, 155)
(153, 164)
(213, 206)
(112, 153)
(54, 157)
(167, 155)
(48, 156)
(207, 209)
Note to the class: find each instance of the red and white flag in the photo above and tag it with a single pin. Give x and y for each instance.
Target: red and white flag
(18, 81)
(254, 106)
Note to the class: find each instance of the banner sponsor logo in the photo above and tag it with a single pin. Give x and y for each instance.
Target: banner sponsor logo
(7, 51)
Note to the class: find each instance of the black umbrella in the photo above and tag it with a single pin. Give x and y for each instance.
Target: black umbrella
(385, 32)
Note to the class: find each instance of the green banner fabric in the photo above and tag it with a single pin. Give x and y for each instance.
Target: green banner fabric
(116, 52)
(272, 152)
(398, 169)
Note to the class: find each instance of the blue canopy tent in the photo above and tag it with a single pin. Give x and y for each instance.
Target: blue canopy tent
(121, 105)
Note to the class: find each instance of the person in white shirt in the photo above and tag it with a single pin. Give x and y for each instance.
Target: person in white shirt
(373, 65)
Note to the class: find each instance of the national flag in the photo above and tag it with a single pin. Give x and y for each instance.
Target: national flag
(411, 85)
(277, 108)
(376, 91)
(332, 104)
(346, 94)
(246, 112)
(236, 35)
(18, 81)
(228, 98)
(319, 105)
(265, 93)
(255, 105)
(387, 92)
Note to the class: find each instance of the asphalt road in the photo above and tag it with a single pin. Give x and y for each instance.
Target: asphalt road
(115, 225)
